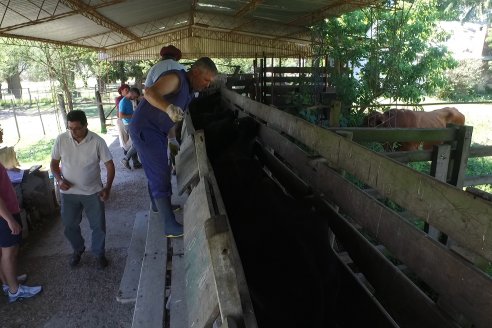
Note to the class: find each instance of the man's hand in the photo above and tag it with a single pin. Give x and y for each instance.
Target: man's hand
(64, 184)
(173, 145)
(175, 113)
(104, 194)
(14, 227)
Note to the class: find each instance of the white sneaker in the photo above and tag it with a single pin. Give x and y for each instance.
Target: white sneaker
(24, 292)
(20, 279)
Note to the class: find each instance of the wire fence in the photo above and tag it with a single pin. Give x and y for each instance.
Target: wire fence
(36, 114)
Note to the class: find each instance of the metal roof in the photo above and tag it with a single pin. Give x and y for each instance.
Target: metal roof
(137, 29)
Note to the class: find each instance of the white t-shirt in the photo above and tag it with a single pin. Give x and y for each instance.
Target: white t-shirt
(159, 68)
(80, 161)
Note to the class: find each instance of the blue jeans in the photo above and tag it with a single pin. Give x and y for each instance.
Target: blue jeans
(71, 213)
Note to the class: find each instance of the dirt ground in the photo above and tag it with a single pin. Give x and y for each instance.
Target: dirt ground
(84, 296)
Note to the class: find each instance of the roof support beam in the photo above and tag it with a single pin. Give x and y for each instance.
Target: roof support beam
(328, 11)
(54, 17)
(92, 14)
(247, 8)
(21, 40)
(257, 42)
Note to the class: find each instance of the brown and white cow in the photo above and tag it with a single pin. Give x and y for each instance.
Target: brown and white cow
(406, 118)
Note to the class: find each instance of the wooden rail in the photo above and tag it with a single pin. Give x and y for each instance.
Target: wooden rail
(464, 218)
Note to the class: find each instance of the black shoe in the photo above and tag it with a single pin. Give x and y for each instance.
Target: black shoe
(137, 165)
(102, 262)
(75, 258)
(125, 163)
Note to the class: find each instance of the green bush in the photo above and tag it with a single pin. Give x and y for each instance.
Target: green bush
(465, 82)
(39, 153)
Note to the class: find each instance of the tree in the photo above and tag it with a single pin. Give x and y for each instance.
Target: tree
(395, 52)
(124, 70)
(62, 63)
(13, 61)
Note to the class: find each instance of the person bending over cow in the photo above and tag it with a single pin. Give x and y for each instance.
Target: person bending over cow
(162, 106)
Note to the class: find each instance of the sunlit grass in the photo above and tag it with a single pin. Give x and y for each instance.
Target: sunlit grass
(38, 153)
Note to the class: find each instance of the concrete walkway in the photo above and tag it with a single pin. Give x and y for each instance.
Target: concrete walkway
(84, 296)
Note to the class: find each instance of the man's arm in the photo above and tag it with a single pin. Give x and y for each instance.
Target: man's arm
(165, 85)
(55, 170)
(109, 180)
(7, 216)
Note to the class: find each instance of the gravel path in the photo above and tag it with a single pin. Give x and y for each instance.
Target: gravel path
(84, 296)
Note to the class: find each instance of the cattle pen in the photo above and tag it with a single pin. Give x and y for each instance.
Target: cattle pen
(401, 275)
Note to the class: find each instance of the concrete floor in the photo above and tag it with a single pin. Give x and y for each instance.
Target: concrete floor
(84, 296)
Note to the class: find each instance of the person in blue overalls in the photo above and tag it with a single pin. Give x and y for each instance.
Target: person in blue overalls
(162, 106)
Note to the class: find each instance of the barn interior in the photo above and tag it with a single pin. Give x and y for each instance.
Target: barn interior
(388, 274)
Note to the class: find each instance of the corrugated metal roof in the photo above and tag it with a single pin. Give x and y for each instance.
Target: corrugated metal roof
(137, 29)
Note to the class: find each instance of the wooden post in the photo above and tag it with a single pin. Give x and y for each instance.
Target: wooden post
(30, 99)
(460, 158)
(16, 123)
(336, 107)
(61, 103)
(39, 112)
(439, 170)
(102, 118)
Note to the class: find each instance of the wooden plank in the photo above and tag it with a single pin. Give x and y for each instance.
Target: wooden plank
(456, 280)
(186, 165)
(399, 134)
(458, 214)
(291, 182)
(480, 151)
(177, 312)
(217, 231)
(127, 292)
(201, 154)
(410, 156)
(284, 69)
(188, 128)
(149, 306)
(247, 304)
(335, 111)
(439, 170)
(201, 297)
(480, 193)
(460, 158)
(347, 305)
(478, 180)
(409, 306)
(219, 239)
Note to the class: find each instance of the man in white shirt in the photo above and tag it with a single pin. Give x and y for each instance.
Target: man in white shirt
(81, 188)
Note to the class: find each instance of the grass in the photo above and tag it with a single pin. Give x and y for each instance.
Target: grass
(38, 153)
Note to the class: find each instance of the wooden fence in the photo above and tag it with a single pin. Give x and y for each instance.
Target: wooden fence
(461, 292)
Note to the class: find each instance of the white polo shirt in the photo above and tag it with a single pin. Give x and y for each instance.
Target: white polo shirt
(80, 161)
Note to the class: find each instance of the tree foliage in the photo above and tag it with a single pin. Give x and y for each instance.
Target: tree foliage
(394, 52)
(14, 60)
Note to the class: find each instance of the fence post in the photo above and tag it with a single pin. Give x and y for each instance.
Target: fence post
(457, 177)
(439, 170)
(102, 118)
(335, 109)
(460, 158)
(61, 103)
(39, 112)
(16, 123)
(30, 98)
